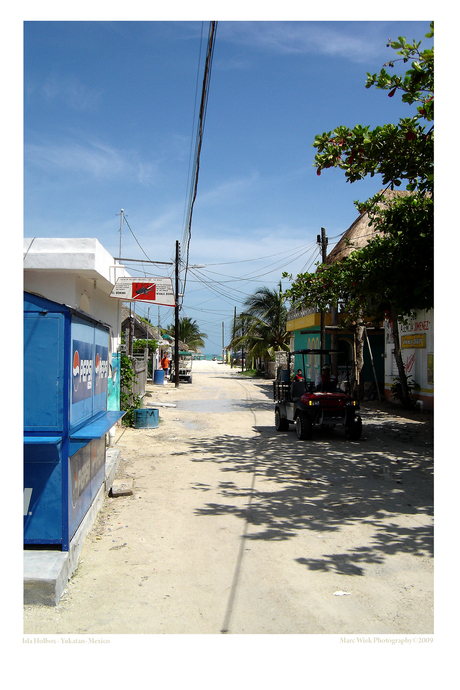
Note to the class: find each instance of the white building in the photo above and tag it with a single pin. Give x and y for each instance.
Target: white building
(417, 350)
(77, 272)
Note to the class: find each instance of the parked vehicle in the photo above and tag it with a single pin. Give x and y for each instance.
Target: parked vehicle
(185, 367)
(309, 404)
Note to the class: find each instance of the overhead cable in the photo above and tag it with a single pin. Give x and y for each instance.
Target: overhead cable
(199, 140)
(191, 140)
(268, 256)
(124, 218)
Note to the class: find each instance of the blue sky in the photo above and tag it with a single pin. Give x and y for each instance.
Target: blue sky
(108, 124)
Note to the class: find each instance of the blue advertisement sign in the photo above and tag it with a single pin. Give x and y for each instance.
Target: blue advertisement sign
(82, 370)
(101, 369)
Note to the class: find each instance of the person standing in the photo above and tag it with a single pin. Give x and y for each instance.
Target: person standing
(164, 364)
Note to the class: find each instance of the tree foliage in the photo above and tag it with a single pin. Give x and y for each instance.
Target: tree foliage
(393, 274)
(261, 328)
(398, 152)
(140, 344)
(189, 333)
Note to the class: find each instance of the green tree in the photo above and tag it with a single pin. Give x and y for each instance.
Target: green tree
(189, 333)
(261, 328)
(398, 152)
(393, 273)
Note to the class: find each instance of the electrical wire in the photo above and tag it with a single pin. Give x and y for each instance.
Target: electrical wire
(191, 139)
(199, 140)
(132, 233)
(316, 255)
(263, 271)
(209, 281)
(268, 256)
(218, 284)
(221, 290)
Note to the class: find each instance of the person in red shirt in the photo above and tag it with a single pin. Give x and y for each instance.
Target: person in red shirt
(164, 363)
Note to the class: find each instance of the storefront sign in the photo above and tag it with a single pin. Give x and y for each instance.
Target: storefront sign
(82, 370)
(411, 341)
(154, 290)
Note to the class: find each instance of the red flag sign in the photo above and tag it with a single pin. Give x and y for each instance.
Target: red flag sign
(154, 290)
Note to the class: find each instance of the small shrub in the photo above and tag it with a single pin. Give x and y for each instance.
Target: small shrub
(129, 401)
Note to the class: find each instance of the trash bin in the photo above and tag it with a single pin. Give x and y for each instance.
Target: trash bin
(159, 377)
(146, 419)
(284, 376)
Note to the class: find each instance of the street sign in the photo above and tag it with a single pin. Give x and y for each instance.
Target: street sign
(153, 290)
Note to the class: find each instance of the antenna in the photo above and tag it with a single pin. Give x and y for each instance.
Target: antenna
(121, 225)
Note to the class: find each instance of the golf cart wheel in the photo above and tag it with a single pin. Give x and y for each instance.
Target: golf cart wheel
(303, 427)
(281, 423)
(354, 430)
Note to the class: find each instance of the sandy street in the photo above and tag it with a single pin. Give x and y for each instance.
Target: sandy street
(235, 528)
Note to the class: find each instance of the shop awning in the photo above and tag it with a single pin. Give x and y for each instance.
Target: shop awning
(97, 427)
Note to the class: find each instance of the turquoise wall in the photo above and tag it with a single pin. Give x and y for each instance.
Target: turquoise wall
(305, 340)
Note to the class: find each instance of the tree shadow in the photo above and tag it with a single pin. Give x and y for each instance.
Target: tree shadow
(325, 485)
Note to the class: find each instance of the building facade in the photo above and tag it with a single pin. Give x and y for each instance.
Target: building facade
(416, 338)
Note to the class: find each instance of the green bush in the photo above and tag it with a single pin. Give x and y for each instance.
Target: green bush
(129, 401)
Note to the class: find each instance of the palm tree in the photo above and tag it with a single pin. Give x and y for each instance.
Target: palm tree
(189, 333)
(261, 328)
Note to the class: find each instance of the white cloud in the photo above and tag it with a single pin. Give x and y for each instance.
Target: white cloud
(354, 41)
(68, 91)
(226, 191)
(99, 161)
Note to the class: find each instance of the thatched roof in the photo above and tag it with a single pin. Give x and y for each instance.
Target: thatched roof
(141, 328)
(360, 232)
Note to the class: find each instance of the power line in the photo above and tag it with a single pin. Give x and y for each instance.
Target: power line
(316, 255)
(268, 256)
(199, 141)
(132, 233)
(265, 270)
(222, 292)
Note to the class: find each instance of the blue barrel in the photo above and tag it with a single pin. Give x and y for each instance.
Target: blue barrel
(146, 419)
(159, 377)
(284, 375)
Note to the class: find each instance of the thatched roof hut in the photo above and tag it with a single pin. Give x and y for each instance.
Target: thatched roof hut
(143, 330)
(360, 232)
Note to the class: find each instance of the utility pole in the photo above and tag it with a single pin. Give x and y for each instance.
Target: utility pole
(223, 342)
(147, 348)
(121, 226)
(242, 348)
(176, 319)
(233, 336)
(158, 345)
(322, 241)
(131, 331)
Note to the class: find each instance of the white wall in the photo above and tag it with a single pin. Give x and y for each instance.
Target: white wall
(417, 349)
(78, 273)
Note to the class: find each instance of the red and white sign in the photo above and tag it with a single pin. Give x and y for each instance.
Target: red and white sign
(154, 290)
